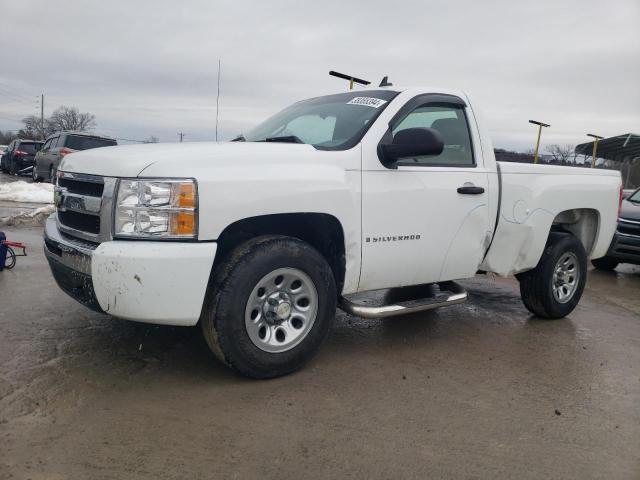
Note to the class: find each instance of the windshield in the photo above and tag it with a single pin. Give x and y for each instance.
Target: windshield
(635, 197)
(333, 122)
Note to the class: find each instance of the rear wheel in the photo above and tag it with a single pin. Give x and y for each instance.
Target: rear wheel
(34, 173)
(554, 287)
(605, 263)
(270, 306)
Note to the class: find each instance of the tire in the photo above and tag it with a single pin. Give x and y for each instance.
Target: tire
(34, 173)
(605, 263)
(52, 174)
(10, 261)
(12, 167)
(234, 300)
(537, 290)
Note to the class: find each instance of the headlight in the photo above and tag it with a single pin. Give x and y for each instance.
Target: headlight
(156, 209)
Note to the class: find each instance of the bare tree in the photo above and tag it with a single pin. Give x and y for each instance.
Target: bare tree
(69, 118)
(560, 153)
(7, 137)
(32, 127)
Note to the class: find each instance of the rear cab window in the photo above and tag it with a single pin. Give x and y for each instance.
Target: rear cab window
(79, 142)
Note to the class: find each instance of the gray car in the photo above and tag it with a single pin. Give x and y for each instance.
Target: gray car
(60, 144)
(625, 247)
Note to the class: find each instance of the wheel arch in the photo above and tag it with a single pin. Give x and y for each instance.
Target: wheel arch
(583, 223)
(322, 231)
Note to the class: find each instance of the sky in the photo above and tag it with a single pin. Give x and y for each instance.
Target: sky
(148, 68)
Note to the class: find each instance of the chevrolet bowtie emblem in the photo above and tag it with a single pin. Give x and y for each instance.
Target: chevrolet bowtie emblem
(58, 195)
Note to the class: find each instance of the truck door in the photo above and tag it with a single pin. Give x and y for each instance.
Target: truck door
(426, 220)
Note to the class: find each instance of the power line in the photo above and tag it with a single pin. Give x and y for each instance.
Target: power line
(13, 94)
(17, 102)
(16, 120)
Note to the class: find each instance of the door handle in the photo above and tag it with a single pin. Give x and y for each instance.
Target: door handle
(470, 190)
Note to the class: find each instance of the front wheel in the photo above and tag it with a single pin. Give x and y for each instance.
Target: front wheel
(554, 287)
(270, 306)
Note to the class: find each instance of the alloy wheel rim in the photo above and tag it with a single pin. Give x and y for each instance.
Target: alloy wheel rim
(281, 310)
(566, 275)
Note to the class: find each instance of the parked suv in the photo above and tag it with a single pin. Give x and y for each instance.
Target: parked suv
(19, 155)
(60, 144)
(625, 247)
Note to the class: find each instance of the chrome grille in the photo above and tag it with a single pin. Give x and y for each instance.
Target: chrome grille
(83, 204)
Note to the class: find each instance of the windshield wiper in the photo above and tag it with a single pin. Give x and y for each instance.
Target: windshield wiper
(239, 138)
(284, 139)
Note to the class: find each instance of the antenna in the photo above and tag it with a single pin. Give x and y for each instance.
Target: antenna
(351, 78)
(385, 82)
(218, 97)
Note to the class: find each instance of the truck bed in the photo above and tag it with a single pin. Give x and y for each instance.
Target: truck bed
(534, 198)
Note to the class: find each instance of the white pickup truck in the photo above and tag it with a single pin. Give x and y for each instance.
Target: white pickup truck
(260, 239)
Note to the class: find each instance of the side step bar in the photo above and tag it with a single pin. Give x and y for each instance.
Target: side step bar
(457, 295)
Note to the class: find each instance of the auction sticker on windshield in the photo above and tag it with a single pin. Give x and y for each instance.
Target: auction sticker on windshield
(368, 101)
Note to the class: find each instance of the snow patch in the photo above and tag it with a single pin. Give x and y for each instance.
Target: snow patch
(26, 192)
(32, 217)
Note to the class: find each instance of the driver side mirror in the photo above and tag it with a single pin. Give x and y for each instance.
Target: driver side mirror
(412, 142)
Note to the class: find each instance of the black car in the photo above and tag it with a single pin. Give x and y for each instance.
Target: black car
(60, 144)
(19, 155)
(625, 247)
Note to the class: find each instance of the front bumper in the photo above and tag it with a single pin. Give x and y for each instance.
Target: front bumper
(145, 281)
(625, 248)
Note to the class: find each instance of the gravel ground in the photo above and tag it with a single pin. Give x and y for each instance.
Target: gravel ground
(479, 390)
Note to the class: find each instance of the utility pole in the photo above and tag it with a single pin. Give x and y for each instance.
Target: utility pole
(596, 139)
(540, 125)
(218, 98)
(180, 134)
(42, 116)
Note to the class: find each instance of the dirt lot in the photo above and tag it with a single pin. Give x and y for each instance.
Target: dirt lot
(480, 390)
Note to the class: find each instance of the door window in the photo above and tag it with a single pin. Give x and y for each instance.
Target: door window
(451, 122)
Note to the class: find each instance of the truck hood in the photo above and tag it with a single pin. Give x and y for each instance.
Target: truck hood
(132, 160)
(630, 210)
